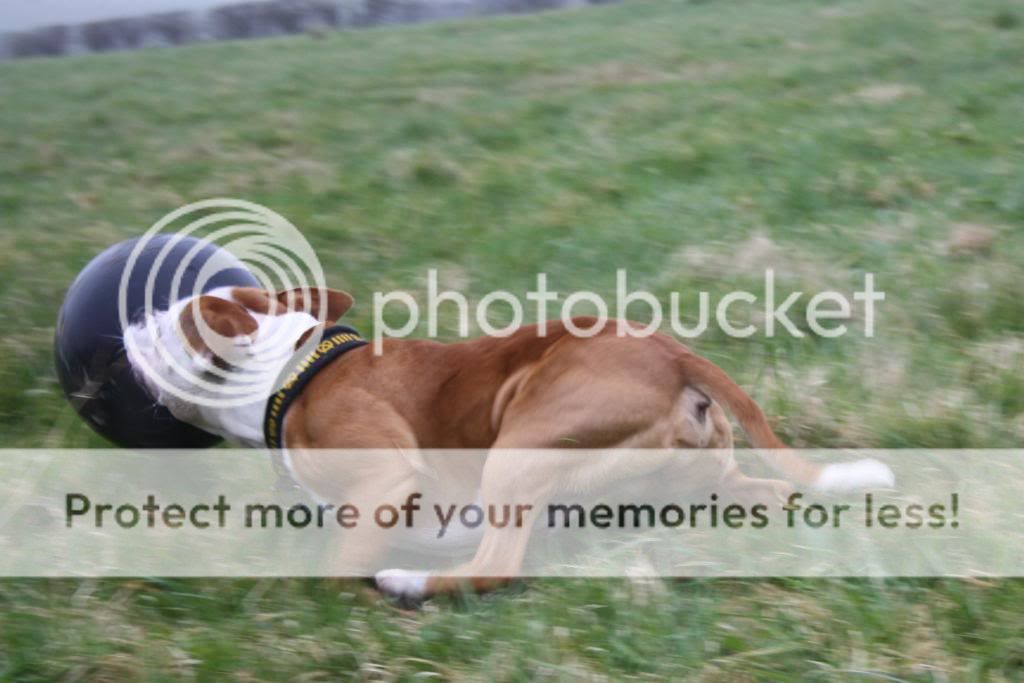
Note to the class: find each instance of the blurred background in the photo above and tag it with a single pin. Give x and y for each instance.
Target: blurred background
(694, 143)
(104, 25)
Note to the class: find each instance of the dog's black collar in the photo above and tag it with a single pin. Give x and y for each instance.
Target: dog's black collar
(335, 342)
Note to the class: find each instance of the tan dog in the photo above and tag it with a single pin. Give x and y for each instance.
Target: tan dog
(522, 391)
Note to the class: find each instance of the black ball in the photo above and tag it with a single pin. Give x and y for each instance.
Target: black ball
(89, 348)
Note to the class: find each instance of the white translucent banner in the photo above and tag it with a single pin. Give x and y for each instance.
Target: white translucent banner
(503, 513)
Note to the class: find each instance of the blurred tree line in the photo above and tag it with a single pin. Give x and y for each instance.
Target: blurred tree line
(253, 20)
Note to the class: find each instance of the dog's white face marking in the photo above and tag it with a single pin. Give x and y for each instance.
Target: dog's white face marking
(177, 355)
(141, 341)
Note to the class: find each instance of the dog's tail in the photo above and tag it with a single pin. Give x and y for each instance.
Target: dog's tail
(713, 381)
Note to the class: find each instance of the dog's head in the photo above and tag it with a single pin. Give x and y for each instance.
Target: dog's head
(231, 342)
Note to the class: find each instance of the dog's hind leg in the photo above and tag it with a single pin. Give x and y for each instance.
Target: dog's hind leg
(520, 475)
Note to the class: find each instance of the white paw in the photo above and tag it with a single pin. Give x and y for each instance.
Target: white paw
(844, 477)
(399, 583)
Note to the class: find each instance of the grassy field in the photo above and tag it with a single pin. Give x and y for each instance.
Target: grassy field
(695, 144)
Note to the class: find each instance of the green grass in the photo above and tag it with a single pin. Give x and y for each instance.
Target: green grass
(694, 144)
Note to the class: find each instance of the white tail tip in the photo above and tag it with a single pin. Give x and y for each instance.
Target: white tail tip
(855, 476)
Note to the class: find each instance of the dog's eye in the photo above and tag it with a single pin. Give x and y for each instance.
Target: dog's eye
(702, 409)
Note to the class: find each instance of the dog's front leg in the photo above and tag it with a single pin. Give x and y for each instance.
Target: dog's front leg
(363, 547)
(517, 481)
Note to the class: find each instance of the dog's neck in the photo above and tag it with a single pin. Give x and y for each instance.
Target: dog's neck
(243, 425)
(240, 423)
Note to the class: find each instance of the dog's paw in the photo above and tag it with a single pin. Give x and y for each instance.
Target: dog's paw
(864, 474)
(407, 587)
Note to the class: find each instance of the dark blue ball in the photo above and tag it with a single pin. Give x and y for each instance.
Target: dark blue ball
(89, 350)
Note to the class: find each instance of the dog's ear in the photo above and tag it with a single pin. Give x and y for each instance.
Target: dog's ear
(330, 304)
(257, 300)
(308, 300)
(210, 325)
